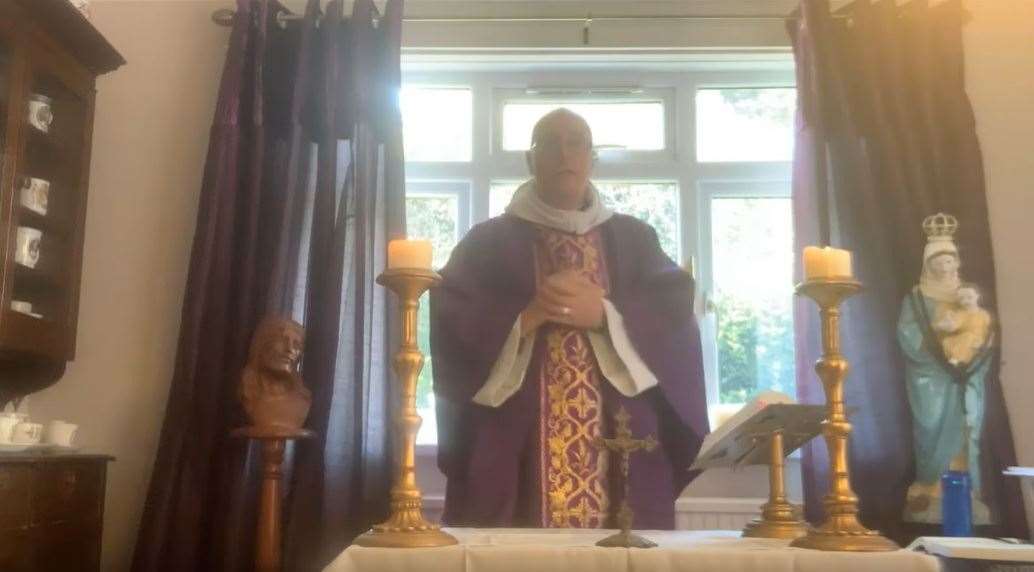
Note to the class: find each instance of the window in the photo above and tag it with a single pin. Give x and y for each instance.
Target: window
(499, 195)
(435, 211)
(752, 293)
(700, 154)
(437, 123)
(630, 121)
(609, 121)
(745, 137)
(434, 217)
(745, 124)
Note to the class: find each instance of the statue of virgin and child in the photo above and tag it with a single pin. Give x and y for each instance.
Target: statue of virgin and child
(946, 338)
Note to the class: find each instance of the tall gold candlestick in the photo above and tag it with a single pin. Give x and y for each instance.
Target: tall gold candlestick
(841, 530)
(406, 527)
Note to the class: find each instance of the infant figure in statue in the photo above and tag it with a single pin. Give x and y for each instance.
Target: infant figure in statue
(964, 327)
(271, 389)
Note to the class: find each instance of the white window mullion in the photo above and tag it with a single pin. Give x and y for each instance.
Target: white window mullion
(438, 171)
(775, 171)
(707, 317)
(481, 171)
(695, 245)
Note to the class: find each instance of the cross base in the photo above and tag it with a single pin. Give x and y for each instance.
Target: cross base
(626, 539)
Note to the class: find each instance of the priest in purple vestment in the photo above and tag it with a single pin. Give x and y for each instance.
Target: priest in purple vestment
(548, 319)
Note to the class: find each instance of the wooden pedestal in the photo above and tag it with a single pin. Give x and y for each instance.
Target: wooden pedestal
(268, 556)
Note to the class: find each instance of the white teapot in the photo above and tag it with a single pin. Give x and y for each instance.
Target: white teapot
(8, 420)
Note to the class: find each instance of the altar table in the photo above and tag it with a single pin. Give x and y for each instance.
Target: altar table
(573, 550)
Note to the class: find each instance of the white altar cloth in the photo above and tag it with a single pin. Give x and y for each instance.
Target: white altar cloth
(573, 550)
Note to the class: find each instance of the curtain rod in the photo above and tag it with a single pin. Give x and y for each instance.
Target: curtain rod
(224, 17)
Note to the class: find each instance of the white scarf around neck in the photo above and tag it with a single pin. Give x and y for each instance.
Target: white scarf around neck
(527, 204)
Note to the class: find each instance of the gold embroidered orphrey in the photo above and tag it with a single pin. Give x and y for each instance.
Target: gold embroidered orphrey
(573, 471)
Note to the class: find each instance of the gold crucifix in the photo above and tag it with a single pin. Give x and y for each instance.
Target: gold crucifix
(624, 445)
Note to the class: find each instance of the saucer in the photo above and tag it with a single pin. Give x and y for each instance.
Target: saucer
(14, 447)
(25, 447)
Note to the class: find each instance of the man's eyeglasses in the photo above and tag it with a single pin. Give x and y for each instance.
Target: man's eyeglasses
(553, 146)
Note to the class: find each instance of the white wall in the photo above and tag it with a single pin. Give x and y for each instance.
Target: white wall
(150, 138)
(1000, 82)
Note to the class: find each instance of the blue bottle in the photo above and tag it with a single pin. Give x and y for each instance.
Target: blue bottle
(956, 504)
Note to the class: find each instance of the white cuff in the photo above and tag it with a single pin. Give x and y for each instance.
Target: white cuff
(619, 362)
(507, 373)
(618, 359)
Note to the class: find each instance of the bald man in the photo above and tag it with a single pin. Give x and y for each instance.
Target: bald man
(549, 319)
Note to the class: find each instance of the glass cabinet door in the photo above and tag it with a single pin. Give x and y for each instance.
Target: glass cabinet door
(5, 86)
(52, 118)
(48, 194)
(11, 68)
(50, 58)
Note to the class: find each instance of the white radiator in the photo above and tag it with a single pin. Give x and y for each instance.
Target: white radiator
(691, 513)
(715, 513)
(434, 505)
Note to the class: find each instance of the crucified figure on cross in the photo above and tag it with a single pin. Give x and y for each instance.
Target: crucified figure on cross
(624, 445)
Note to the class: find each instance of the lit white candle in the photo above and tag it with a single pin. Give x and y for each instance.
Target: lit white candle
(409, 254)
(826, 262)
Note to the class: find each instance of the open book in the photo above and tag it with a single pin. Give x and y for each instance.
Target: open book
(974, 548)
(1027, 472)
(740, 440)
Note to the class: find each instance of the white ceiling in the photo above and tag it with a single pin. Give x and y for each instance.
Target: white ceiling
(693, 6)
(551, 8)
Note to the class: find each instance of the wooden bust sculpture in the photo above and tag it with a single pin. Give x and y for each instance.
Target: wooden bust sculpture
(271, 389)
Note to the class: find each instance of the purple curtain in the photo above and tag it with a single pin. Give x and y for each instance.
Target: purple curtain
(303, 186)
(885, 137)
(341, 482)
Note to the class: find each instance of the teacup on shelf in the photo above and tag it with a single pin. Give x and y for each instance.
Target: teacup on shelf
(27, 250)
(34, 194)
(8, 421)
(27, 433)
(62, 433)
(23, 307)
(40, 113)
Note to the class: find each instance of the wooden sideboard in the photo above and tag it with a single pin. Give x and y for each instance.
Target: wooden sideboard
(51, 512)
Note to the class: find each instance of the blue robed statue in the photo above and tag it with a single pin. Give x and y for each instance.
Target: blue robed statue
(946, 338)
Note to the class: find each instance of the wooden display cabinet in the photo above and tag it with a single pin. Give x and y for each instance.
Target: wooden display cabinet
(50, 58)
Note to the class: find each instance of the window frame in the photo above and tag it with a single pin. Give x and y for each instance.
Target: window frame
(706, 318)
(676, 84)
(433, 85)
(460, 190)
(720, 83)
(666, 96)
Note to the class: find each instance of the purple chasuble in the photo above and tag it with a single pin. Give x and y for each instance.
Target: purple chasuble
(497, 459)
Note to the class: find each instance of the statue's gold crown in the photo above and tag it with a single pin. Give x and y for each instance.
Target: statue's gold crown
(940, 226)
